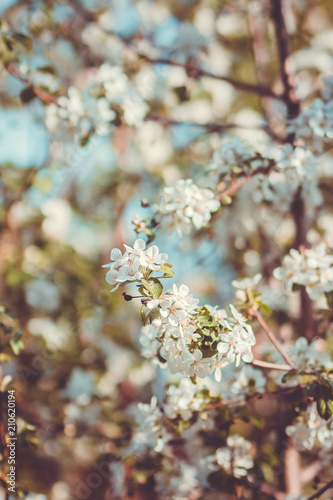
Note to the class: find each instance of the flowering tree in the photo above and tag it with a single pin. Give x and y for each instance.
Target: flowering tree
(219, 117)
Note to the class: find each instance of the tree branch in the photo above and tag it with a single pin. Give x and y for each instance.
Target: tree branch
(196, 73)
(43, 96)
(272, 338)
(217, 126)
(292, 470)
(321, 491)
(271, 366)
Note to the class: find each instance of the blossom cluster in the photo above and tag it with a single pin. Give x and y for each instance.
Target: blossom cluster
(185, 205)
(235, 156)
(311, 431)
(315, 122)
(132, 265)
(193, 340)
(109, 95)
(235, 458)
(295, 170)
(311, 268)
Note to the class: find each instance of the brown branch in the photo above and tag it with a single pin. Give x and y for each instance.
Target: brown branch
(306, 320)
(43, 96)
(282, 39)
(271, 366)
(231, 190)
(217, 126)
(272, 338)
(234, 187)
(247, 399)
(196, 73)
(321, 491)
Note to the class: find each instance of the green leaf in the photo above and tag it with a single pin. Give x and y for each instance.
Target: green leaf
(257, 420)
(5, 382)
(143, 316)
(226, 200)
(50, 70)
(291, 374)
(328, 382)
(143, 291)
(329, 299)
(22, 42)
(264, 308)
(267, 472)
(167, 270)
(85, 138)
(325, 408)
(153, 314)
(16, 343)
(154, 286)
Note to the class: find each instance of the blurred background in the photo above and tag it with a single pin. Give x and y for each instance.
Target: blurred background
(70, 188)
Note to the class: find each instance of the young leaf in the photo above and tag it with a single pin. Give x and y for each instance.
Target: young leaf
(167, 270)
(154, 286)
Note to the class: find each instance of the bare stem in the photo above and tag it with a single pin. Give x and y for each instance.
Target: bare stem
(321, 491)
(272, 338)
(43, 96)
(234, 187)
(271, 366)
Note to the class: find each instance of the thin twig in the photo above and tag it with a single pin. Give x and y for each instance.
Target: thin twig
(321, 491)
(234, 187)
(271, 366)
(243, 180)
(282, 39)
(272, 338)
(195, 72)
(43, 96)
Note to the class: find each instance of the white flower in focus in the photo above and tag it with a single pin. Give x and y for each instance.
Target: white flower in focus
(185, 204)
(237, 344)
(153, 259)
(199, 366)
(131, 265)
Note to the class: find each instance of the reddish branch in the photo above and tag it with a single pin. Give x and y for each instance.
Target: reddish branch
(321, 491)
(231, 190)
(271, 366)
(217, 126)
(43, 96)
(272, 338)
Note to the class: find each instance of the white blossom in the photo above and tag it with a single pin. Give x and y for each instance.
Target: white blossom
(235, 458)
(182, 400)
(310, 268)
(311, 430)
(150, 433)
(131, 265)
(185, 205)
